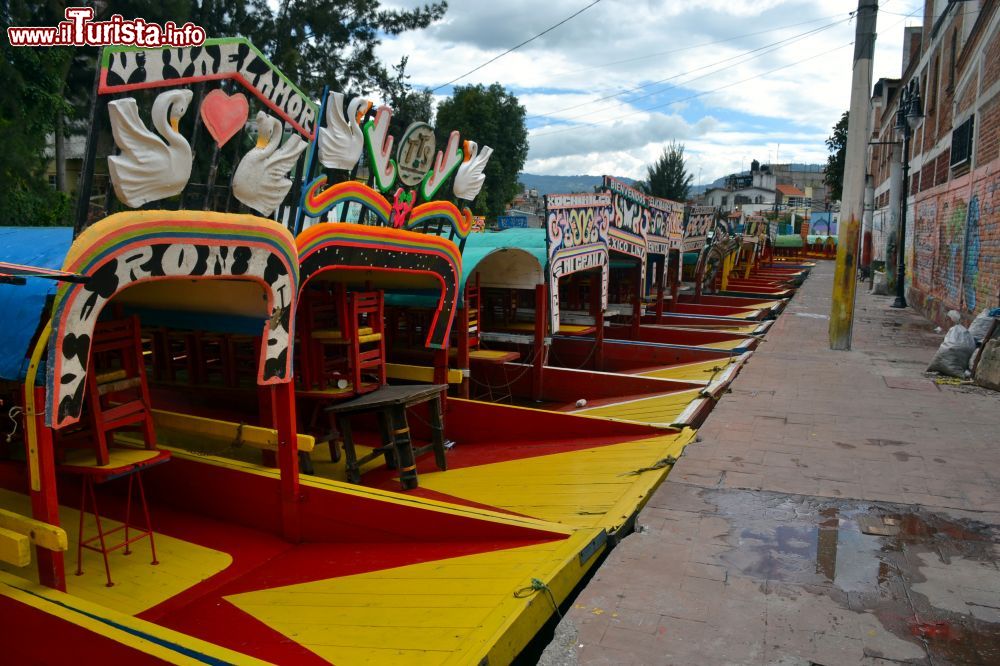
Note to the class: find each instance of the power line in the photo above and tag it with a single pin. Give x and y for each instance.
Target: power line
(706, 92)
(696, 46)
(694, 96)
(789, 40)
(514, 48)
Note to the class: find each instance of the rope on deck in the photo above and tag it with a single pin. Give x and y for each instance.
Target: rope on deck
(538, 586)
(659, 464)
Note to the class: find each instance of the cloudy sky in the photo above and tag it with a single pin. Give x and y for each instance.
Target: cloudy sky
(733, 80)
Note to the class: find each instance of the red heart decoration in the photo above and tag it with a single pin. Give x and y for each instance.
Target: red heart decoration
(224, 115)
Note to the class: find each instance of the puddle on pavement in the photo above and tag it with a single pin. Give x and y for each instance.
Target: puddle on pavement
(893, 561)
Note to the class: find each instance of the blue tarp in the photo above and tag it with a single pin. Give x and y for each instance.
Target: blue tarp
(22, 305)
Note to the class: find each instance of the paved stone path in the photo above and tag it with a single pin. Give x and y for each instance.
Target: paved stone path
(839, 508)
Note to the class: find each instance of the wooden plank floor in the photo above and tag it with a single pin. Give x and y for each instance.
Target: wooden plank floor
(594, 487)
(455, 611)
(138, 584)
(659, 410)
(702, 371)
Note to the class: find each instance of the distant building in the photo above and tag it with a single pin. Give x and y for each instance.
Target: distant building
(792, 199)
(530, 203)
(533, 219)
(75, 146)
(747, 193)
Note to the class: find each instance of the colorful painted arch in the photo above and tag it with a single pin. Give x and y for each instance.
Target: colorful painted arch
(318, 199)
(334, 246)
(136, 247)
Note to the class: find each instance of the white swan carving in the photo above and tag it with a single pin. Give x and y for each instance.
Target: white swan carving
(148, 167)
(471, 174)
(341, 139)
(261, 179)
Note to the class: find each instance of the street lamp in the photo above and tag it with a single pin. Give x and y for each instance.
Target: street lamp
(908, 114)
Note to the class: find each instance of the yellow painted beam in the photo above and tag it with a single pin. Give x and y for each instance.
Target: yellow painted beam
(39, 533)
(261, 438)
(14, 548)
(418, 373)
(334, 334)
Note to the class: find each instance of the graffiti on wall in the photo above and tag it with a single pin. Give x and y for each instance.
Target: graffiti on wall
(955, 259)
(970, 269)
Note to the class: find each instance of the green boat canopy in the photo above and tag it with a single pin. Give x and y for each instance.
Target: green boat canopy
(795, 240)
(790, 240)
(512, 259)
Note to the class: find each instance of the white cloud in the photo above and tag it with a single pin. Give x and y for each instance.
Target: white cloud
(618, 45)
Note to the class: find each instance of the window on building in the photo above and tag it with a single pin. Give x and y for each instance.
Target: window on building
(951, 59)
(961, 142)
(932, 88)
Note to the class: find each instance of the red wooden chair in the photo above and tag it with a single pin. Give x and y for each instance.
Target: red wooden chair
(322, 334)
(366, 324)
(116, 399)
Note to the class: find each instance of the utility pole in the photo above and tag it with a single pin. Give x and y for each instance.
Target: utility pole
(845, 277)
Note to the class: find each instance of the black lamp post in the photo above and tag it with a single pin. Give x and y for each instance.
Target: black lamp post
(908, 114)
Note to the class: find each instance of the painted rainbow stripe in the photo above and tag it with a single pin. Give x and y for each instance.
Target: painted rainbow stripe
(121, 235)
(461, 221)
(316, 200)
(341, 246)
(108, 235)
(318, 234)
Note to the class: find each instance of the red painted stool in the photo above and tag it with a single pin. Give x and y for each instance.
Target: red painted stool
(123, 462)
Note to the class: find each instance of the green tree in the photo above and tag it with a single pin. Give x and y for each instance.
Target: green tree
(837, 144)
(668, 176)
(491, 117)
(32, 100)
(314, 42)
(408, 105)
(332, 42)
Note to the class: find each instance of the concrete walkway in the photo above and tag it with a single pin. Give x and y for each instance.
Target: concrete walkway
(839, 508)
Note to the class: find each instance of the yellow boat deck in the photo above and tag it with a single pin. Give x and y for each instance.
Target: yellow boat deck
(463, 610)
(721, 328)
(701, 371)
(138, 586)
(454, 610)
(478, 607)
(725, 345)
(662, 410)
(598, 487)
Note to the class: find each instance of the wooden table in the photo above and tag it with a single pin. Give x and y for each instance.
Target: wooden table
(389, 404)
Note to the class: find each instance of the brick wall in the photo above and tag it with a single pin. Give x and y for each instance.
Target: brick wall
(953, 249)
(955, 258)
(967, 95)
(953, 231)
(926, 177)
(941, 165)
(987, 147)
(991, 61)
